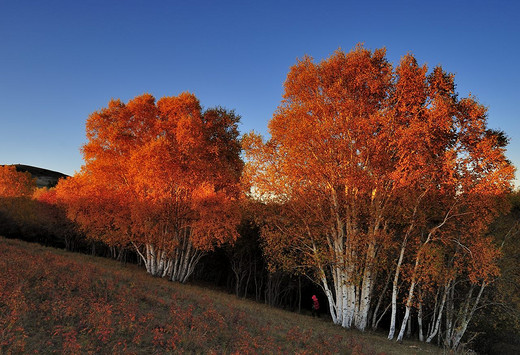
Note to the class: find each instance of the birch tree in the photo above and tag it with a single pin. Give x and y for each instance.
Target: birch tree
(364, 160)
(160, 177)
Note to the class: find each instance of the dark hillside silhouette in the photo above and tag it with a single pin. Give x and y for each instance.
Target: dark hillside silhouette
(44, 177)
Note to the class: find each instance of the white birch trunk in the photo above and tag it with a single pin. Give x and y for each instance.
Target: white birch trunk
(375, 319)
(330, 297)
(338, 301)
(415, 276)
(435, 329)
(395, 285)
(349, 302)
(185, 258)
(409, 327)
(407, 312)
(366, 289)
(431, 324)
(409, 300)
(420, 322)
(461, 329)
(450, 315)
(155, 260)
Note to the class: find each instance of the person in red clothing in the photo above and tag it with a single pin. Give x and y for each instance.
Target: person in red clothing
(315, 306)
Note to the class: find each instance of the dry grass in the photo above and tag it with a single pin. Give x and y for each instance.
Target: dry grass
(52, 301)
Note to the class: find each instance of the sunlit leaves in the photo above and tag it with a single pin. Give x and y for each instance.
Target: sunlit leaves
(14, 183)
(364, 159)
(156, 173)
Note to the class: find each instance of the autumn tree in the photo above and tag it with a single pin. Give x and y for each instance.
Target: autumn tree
(162, 177)
(51, 218)
(102, 214)
(366, 164)
(14, 183)
(16, 189)
(497, 328)
(456, 170)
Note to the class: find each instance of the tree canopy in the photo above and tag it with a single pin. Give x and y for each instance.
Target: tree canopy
(372, 170)
(162, 176)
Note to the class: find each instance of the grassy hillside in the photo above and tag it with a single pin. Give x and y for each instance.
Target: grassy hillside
(54, 301)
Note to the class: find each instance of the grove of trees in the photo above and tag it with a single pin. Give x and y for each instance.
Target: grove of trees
(33, 213)
(378, 183)
(382, 179)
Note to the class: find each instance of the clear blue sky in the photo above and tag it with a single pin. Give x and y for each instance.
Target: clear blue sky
(62, 60)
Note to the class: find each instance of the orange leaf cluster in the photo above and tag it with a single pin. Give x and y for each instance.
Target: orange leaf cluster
(162, 175)
(14, 183)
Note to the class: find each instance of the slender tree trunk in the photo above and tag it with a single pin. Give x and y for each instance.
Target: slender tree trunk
(450, 315)
(415, 275)
(259, 283)
(395, 290)
(299, 294)
(366, 288)
(247, 281)
(431, 324)
(461, 329)
(420, 321)
(410, 297)
(395, 283)
(330, 298)
(235, 267)
(182, 255)
(379, 301)
(437, 323)
(407, 311)
(383, 314)
(409, 327)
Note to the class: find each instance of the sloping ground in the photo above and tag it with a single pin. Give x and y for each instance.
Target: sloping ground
(54, 301)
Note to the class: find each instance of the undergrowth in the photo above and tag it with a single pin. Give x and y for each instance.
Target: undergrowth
(52, 301)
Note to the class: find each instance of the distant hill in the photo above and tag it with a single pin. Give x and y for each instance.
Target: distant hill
(44, 177)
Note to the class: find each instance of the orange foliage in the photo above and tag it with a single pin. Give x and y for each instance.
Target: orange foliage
(163, 176)
(14, 183)
(360, 153)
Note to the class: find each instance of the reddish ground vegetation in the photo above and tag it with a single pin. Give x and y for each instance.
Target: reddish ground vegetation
(52, 301)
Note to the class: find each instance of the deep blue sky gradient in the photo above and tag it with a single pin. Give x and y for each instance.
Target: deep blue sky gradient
(62, 60)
